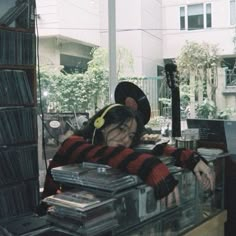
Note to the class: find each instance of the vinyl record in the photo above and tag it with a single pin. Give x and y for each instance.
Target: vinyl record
(131, 95)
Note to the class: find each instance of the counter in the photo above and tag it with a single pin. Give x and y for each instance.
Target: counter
(135, 212)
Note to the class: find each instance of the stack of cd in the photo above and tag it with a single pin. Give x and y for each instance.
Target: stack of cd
(82, 211)
(94, 175)
(19, 199)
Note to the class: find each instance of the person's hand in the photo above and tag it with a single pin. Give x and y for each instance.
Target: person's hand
(58, 191)
(172, 199)
(205, 175)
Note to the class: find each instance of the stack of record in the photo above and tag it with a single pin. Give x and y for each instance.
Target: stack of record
(82, 211)
(94, 175)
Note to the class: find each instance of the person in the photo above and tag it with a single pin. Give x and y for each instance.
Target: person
(109, 138)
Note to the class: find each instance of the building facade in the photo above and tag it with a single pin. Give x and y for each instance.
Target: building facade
(213, 22)
(152, 30)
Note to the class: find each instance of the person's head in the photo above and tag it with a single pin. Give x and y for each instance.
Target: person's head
(122, 127)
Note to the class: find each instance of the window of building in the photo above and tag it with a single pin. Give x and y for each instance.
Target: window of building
(232, 12)
(208, 15)
(74, 64)
(160, 70)
(198, 17)
(195, 17)
(182, 18)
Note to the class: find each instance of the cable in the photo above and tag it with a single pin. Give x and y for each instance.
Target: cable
(39, 85)
(93, 137)
(135, 29)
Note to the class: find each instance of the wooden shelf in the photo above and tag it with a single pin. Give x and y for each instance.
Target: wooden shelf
(17, 29)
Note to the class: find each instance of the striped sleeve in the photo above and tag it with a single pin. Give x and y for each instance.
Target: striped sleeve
(185, 158)
(147, 166)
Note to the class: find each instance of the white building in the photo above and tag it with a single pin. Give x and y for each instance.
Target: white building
(152, 30)
(68, 30)
(203, 21)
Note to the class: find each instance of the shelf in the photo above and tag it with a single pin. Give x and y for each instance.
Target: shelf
(17, 67)
(19, 175)
(31, 30)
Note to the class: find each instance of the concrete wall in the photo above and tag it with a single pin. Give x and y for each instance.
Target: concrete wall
(225, 96)
(138, 23)
(75, 19)
(51, 48)
(151, 37)
(48, 52)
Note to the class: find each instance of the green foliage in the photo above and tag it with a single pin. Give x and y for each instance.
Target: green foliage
(206, 110)
(184, 95)
(97, 77)
(195, 56)
(165, 101)
(225, 114)
(124, 61)
(80, 92)
(65, 92)
(76, 92)
(193, 62)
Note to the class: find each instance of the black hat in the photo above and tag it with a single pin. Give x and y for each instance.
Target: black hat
(131, 95)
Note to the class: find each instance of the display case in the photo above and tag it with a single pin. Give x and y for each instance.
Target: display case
(131, 210)
(136, 210)
(196, 206)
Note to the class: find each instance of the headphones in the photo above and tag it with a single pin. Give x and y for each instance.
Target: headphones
(99, 122)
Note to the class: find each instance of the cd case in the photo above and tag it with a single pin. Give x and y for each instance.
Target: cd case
(94, 175)
(80, 200)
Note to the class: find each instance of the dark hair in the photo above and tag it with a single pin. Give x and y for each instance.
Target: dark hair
(116, 115)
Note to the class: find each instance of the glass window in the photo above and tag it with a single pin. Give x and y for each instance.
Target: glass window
(195, 17)
(208, 15)
(232, 12)
(182, 18)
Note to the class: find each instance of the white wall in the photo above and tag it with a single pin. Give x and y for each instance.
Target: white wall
(48, 23)
(128, 20)
(135, 23)
(76, 19)
(221, 33)
(50, 49)
(151, 37)
(48, 52)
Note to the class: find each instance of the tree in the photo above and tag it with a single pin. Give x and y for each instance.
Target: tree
(197, 65)
(65, 92)
(81, 92)
(97, 75)
(97, 78)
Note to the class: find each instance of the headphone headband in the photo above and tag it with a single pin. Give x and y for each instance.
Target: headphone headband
(99, 122)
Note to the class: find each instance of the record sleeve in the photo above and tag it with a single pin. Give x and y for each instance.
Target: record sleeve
(131, 95)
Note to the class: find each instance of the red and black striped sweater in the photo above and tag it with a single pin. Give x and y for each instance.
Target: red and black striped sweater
(147, 166)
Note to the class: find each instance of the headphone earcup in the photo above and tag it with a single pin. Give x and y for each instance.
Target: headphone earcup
(99, 122)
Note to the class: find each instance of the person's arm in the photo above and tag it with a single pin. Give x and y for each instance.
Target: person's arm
(185, 158)
(189, 159)
(50, 186)
(147, 166)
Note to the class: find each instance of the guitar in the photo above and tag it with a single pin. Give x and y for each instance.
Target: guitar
(173, 83)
